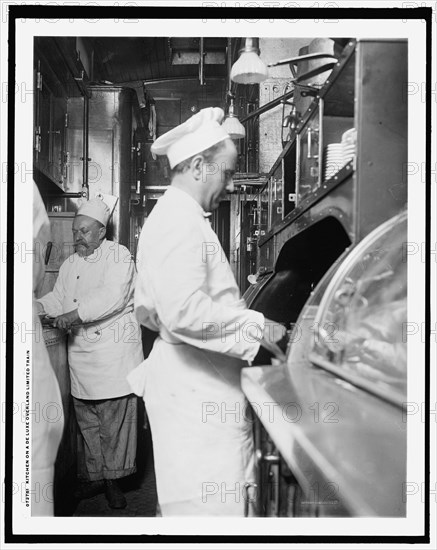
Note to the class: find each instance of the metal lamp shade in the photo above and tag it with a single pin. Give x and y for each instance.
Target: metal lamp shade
(249, 68)
(234, 127)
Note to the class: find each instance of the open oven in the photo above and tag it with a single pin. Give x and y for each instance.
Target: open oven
(336, 445)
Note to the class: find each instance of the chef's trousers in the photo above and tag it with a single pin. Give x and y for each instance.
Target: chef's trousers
(109, 432)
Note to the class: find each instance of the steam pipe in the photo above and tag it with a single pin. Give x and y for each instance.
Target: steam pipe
(202, 62)
(85, 186)
(267, 106)
(64, 195)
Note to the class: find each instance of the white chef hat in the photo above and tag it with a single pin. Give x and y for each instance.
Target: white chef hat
(96, 209)
(198, 133)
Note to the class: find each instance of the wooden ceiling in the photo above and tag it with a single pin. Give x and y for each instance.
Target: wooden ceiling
(130, 59)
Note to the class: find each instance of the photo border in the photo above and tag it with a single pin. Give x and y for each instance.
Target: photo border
(80, 12)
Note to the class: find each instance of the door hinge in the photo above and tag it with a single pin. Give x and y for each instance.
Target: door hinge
(66, 120)
(39, 80)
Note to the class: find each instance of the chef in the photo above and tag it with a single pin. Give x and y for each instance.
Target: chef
(46, 431)
(202, 435)
(93, 300)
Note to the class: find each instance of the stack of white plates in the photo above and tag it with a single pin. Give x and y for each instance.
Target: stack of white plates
(333, 159)
(349, 143)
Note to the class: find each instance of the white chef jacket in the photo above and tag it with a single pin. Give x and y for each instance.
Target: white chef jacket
(103, 351)
(191, 381)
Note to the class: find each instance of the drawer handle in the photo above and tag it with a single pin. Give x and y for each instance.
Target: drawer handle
(246, 496)
(269, 458)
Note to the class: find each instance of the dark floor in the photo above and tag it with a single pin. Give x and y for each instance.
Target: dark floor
(139, 488)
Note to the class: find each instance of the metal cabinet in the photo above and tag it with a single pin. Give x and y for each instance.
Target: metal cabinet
(340, 200)
(50, 116)
(308, 174)
(278, 491)
(61, 224)
(58, 74)
(354, 136)
(115, 151)
(346, 376)
(267, 474)
(279, 197)
(88, 139)
(276, 196)
(115, 166)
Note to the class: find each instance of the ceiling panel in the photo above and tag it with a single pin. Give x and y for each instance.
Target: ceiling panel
(124, 59)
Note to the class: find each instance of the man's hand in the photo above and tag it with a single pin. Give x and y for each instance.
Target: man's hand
(273, 332)
(65, 320)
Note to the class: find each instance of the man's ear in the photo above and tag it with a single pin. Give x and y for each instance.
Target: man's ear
(196, 166)
(102, 232)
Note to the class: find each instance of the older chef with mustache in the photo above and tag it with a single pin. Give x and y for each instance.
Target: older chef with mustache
(93, 300)
(201, 430)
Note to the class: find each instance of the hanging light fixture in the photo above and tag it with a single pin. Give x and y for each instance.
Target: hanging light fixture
(231, 123)
(249, 68)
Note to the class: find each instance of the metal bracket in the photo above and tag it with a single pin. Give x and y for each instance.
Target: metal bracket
(81, 77)
(313, 93)
(306, 57)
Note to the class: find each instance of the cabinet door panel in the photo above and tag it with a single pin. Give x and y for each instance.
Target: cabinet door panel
(51, 107)
(74, 165)
(57, 131)
(44, 118)
(309, 169)
(168, 112)
(102, 173)
(61, 225)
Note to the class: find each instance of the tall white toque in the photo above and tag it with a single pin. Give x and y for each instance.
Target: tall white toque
(96, 209)
(198, 133)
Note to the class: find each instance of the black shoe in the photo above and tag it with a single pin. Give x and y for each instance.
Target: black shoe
(114, 495)
(89, 489)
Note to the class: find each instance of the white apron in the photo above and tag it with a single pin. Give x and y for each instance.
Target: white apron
(103, 352)
(202, 438)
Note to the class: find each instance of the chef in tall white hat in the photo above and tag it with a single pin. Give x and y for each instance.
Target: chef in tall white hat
(96, 209)
(93, 300)
(197, 134)
(186, 291)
